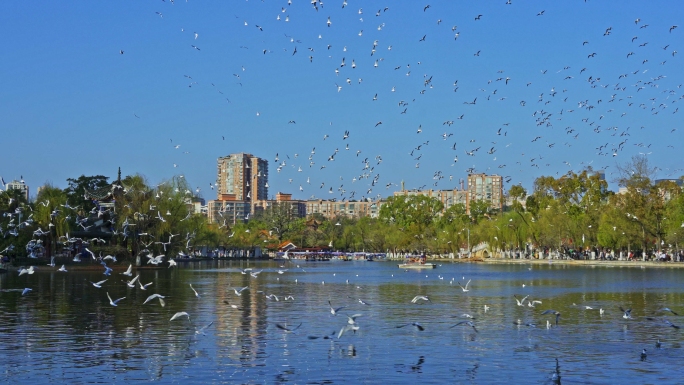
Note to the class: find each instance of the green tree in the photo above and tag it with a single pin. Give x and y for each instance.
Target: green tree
(404, 211)
(76, 191)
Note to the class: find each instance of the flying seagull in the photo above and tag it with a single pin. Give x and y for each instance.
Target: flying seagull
(520, 301)
(180, 314)
(465, 289)
(420, 297)
(415, 324)
(334, 311)
(153, 296)
(557, 314)
(469, 323)
(288, 330)
(114, 303)
(196, 293)
(201, 330)
(238, 292)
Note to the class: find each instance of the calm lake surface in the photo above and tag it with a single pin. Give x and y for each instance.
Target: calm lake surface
(65, 330)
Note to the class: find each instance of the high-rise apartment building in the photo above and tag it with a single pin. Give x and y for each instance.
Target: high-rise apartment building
(485, 187)
(242, 177)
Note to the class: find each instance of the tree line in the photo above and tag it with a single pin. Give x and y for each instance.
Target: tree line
(574, 211)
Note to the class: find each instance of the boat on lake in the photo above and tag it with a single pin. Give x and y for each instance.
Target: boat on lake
(416, 263)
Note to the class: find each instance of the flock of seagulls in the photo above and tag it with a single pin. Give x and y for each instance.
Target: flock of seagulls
(579, 100)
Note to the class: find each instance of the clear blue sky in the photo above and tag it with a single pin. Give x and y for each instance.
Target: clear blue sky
(72, 104)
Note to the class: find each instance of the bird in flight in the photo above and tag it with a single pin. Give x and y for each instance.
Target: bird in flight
(288, 330)
(556, 313)
(420, 298)
(520, 302)
(464, 288)
(180, 314)
(114, 303)
(469, 323)
(414, 324)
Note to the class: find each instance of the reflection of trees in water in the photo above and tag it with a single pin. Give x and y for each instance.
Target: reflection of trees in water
(67, 322)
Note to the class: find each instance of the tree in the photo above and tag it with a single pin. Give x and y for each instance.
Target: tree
(517, 193)
(279, 217)
(407, 210)
(636, 173)
(50, 215)
(479, 209)
(76, 191)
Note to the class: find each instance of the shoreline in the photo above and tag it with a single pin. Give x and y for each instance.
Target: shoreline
(568, 262)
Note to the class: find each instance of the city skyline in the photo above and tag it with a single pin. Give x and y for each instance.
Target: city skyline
(166, 88)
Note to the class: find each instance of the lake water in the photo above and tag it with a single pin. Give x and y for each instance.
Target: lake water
(65, 330)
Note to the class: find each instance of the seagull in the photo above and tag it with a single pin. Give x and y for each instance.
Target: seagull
(420, 297)
(98, 284)
(131, 283)
(238, 292)
(108, 270)
(628, 313)
(289, 330)
(643, 355)
(180, 314)
(233, 306)
(196, 293)
(334, 311)
(351, 319)
(415, 324)
(363, 303)
(347, 328)
(668, 309)
(153, 296)
(533, 303)
(129, 272)
(26, 291)
(113, 303)
(469, 323)
(255, 274)
(465, 289)
(62, 269)
(201, 330)
(520, 302)
(143, 287)
(557, 314)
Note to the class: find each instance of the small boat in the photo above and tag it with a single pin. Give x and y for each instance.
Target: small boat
(417, 263)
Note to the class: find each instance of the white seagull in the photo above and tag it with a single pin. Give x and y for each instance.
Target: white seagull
(420, 297)
(196, 293)
(520, 302)
(465, 289)
(180, 314)
(238, 292)
(153, 296)
(113, 303)
(334, 311)
(129, 272)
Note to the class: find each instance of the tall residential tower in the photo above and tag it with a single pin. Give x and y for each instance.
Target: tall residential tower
(243, 176)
